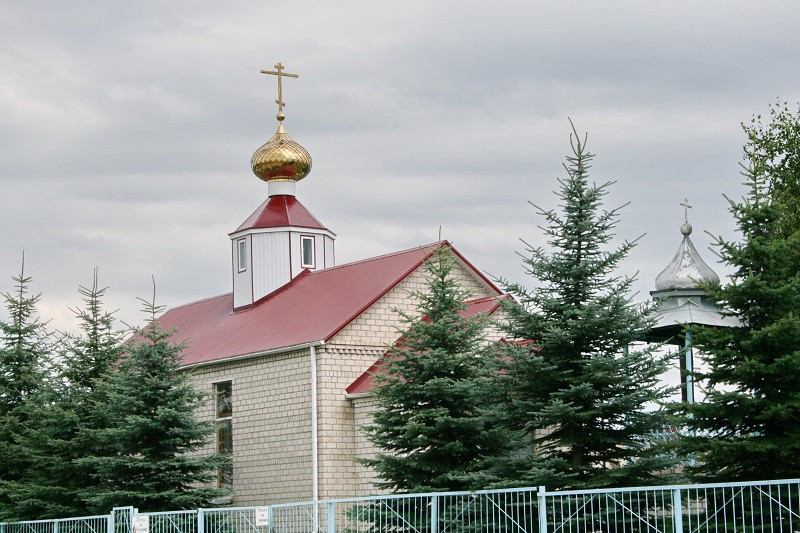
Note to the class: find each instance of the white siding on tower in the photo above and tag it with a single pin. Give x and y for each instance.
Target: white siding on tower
(242, 281)
(271, 262)
(330, 259)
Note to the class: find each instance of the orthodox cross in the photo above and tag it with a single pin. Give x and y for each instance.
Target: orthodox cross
(279, 72)
(686, 208)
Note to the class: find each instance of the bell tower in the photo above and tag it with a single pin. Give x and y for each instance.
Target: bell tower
(281, 239)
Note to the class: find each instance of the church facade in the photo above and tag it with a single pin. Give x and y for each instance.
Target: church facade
(286, 358)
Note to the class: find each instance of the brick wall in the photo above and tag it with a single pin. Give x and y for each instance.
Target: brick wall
(271, 425)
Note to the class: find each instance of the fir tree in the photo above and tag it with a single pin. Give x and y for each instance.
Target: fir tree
(748, 425)
(24, 348)
(428, 423)
(573, 381)
(24, 356)
(55, 437)
(147, 455)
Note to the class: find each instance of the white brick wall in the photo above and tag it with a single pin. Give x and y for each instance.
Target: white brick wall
(271, 425)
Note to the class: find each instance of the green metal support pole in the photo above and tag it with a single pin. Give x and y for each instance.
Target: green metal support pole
(689, 358)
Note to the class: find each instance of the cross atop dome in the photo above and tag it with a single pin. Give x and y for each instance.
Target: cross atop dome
(279, 72)
(686, 228)
(281, 162)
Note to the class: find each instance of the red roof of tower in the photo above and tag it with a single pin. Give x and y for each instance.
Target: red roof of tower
(314, 306)
(366, 381)
(280, 211)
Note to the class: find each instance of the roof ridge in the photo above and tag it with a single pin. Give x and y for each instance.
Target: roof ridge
(421, 247)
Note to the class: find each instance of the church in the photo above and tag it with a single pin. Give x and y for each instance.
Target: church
(287, 357)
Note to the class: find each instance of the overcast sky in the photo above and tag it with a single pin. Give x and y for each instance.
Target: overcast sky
(126, 128)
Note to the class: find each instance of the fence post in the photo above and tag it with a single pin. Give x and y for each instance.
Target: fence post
(55, 525)
(677, 511)
(434, 514)
(542, 509)
(201, 521)
(331, 517)
(270, 516)
(134, 512)
(110, 523)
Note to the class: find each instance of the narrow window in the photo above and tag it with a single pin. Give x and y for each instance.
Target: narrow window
(241, 246)
(223, 393)
(307, 249)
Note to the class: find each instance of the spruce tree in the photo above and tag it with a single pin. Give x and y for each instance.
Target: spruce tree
(148, 455)
(24, 358)
(55, 437)
(428, 424)
(748, 425)
(573, 381)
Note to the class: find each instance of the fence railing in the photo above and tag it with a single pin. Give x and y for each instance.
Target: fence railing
(739, 507)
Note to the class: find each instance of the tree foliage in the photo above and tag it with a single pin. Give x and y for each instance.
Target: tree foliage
(573, 381)
(56, 435)
(429, 426)
(748, 426)
(773, 152)
(24, 356)
(147, 454)
(25, 349)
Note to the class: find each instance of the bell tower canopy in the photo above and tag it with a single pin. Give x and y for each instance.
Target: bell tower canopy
(680, 296)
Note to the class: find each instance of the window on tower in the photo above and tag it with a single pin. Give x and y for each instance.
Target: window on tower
(223, 394)
(241, 246)
(307, 250)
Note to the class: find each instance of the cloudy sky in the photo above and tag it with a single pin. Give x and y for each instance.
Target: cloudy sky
(126, 128)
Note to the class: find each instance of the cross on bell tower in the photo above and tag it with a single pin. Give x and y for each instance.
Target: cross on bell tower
(686, 208)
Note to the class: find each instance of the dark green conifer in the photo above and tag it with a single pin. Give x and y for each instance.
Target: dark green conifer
(574, 381)
(24, 359)
(55, 437)
(147, 454)
(428, 424)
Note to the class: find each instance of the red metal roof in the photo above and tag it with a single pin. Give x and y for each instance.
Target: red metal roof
(280, 211)
(313, 307)
(366, 381)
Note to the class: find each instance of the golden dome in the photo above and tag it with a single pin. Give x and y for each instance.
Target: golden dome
(281, 159)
